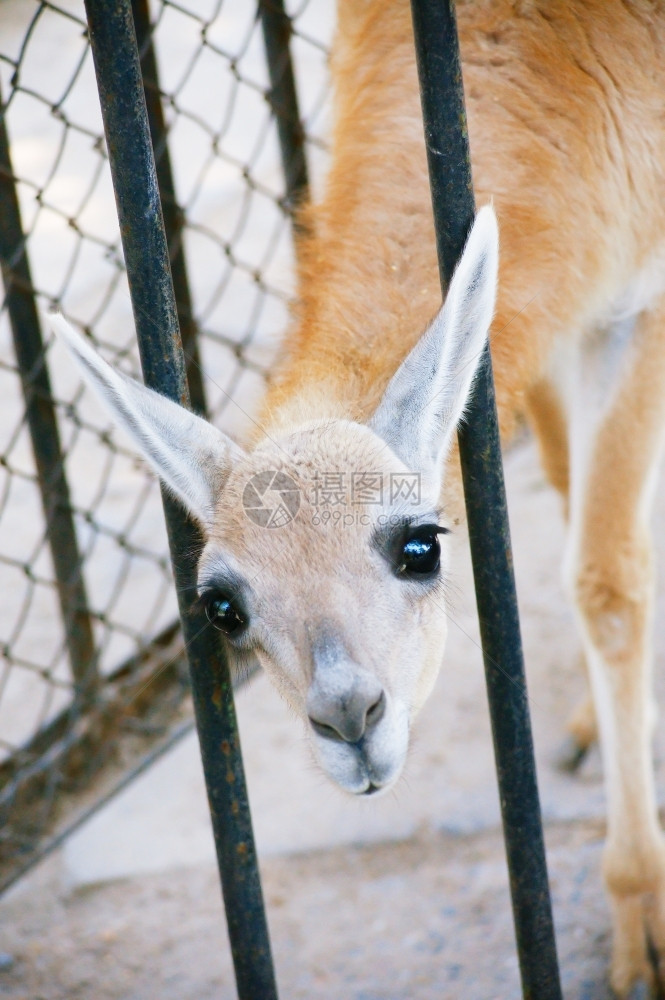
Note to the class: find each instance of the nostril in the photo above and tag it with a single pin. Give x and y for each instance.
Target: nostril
(328, 732)
(376, 711)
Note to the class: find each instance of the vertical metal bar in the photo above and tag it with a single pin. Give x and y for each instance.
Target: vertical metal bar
(173, 216)
(146, 255)
(283, 99)
(44, 435)
(444, 115)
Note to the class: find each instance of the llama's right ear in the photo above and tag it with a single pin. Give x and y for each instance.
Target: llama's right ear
(427, 396)
(191, 456)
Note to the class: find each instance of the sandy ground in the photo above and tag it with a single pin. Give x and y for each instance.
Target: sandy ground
(400, 898)
(425, 918)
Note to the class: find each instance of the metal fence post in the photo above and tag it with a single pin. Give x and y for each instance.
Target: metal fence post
(283, 99)
(173, 216)
(126, 126)
(449, 162)
(44, 435)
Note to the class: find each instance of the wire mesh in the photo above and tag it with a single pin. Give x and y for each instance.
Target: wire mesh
(234, 229)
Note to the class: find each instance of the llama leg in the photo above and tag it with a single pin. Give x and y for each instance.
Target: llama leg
(610, 572)
(549, 420)
(546, 409)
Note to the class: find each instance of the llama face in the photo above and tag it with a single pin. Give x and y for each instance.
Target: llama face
(328, 563)
(325, 553)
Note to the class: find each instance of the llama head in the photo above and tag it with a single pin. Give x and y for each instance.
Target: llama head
(325, 550)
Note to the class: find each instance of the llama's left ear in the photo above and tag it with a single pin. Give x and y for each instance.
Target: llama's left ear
(426, 397)
(191, 456)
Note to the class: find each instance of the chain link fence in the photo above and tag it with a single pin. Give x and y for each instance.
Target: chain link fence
(91, 683)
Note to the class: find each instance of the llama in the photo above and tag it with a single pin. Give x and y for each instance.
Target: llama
(567, 134)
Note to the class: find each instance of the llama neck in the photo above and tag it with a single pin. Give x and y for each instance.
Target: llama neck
(355, 326)
(367, 277)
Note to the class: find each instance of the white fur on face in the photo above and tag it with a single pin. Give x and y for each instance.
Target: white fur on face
(377, 762)
(315, 573)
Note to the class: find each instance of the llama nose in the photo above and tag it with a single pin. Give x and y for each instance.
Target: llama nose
(346, 713)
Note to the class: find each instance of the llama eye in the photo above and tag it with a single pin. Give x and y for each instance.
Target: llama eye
(421, 552)
(224, 615)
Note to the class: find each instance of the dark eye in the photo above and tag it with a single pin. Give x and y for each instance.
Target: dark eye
(224, 614)
(421, 552)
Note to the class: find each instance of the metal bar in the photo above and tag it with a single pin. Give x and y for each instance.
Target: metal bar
(44, 434)
(283, 99)
(449, 162)
(173, 215)
(122, 99)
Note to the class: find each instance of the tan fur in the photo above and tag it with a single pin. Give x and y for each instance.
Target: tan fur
(567, 132)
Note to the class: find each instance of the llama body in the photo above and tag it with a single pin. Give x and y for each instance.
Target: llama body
(566, 143)
(565, 108)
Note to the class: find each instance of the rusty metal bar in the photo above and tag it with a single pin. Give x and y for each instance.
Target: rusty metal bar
(449, 161)
(173, 216)
(145, 246)
(283, 99)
